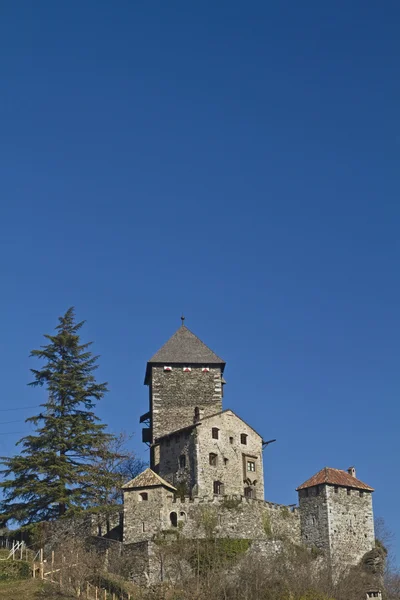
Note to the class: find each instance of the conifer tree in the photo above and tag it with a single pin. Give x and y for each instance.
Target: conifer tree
(54, 473)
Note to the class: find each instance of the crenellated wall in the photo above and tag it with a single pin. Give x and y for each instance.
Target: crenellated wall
(222, 517)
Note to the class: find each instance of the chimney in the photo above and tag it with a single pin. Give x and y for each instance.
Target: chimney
(198, 414)
(352, 471)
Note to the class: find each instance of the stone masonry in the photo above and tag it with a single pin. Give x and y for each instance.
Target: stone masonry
(206, 476)
(176, 393)
(223, 516)
(336, 516)
(217, 450)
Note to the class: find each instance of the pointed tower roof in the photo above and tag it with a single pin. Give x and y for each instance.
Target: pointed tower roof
(184, 347)
(147, 478)
(331, 476)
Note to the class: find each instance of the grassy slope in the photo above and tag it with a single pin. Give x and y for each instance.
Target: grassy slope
(29, 589)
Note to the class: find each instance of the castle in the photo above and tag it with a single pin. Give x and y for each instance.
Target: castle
(204, 457)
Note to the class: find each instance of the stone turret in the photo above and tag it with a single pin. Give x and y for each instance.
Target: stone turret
(336, 515)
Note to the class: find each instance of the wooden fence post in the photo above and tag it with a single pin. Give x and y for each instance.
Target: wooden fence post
(41, 564)
(52, 563)
(87, 590)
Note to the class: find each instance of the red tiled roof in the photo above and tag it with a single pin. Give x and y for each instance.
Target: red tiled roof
(335, 477)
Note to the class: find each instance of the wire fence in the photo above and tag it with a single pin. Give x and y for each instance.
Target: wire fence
(58, 569)
(63, 571)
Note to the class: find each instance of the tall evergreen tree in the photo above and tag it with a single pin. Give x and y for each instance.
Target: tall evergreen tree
(55, 471)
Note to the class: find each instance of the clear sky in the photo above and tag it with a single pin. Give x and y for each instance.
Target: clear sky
(237, 161)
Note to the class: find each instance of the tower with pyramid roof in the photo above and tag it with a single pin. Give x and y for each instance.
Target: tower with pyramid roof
(184, 376)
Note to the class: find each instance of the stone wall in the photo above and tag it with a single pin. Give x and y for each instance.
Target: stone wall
(171, 449)
(223, 517)
(107, 524)
(314, 518)
(175, 394)
(184, 457)
(143, 518)
(351, 524)
(339, 521)
(232, 456)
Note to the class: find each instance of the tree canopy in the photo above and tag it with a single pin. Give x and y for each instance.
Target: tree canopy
(57, 471)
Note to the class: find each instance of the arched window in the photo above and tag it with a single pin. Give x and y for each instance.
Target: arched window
(183, 516)
(143, 496)
(174, 519)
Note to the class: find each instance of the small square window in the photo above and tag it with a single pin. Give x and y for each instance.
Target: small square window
(348, 491)
(215, 433)
(251, 466)
(317, 490)
(231, 440)
(249, 492)
(336, 489)
(218, 487)
(243, 438)
(213, 459)
(225, 461)
(182, 461)
(361, 493)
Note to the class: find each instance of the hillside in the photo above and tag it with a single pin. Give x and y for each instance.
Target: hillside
(29, 589)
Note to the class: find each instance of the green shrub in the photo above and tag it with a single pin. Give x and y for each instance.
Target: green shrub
(210, 555)
(285, 512)
(267, 525)
(232, 503)
(11, 570)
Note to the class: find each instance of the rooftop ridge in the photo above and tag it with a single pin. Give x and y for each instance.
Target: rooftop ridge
(147, 478)
(332, 476)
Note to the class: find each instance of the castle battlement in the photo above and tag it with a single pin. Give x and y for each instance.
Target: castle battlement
(227, 499)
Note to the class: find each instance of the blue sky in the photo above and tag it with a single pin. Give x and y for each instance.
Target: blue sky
(235, 161)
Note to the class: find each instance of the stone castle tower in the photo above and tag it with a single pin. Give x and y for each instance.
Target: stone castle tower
(182, 376)
(336, 515)
(203, 455)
